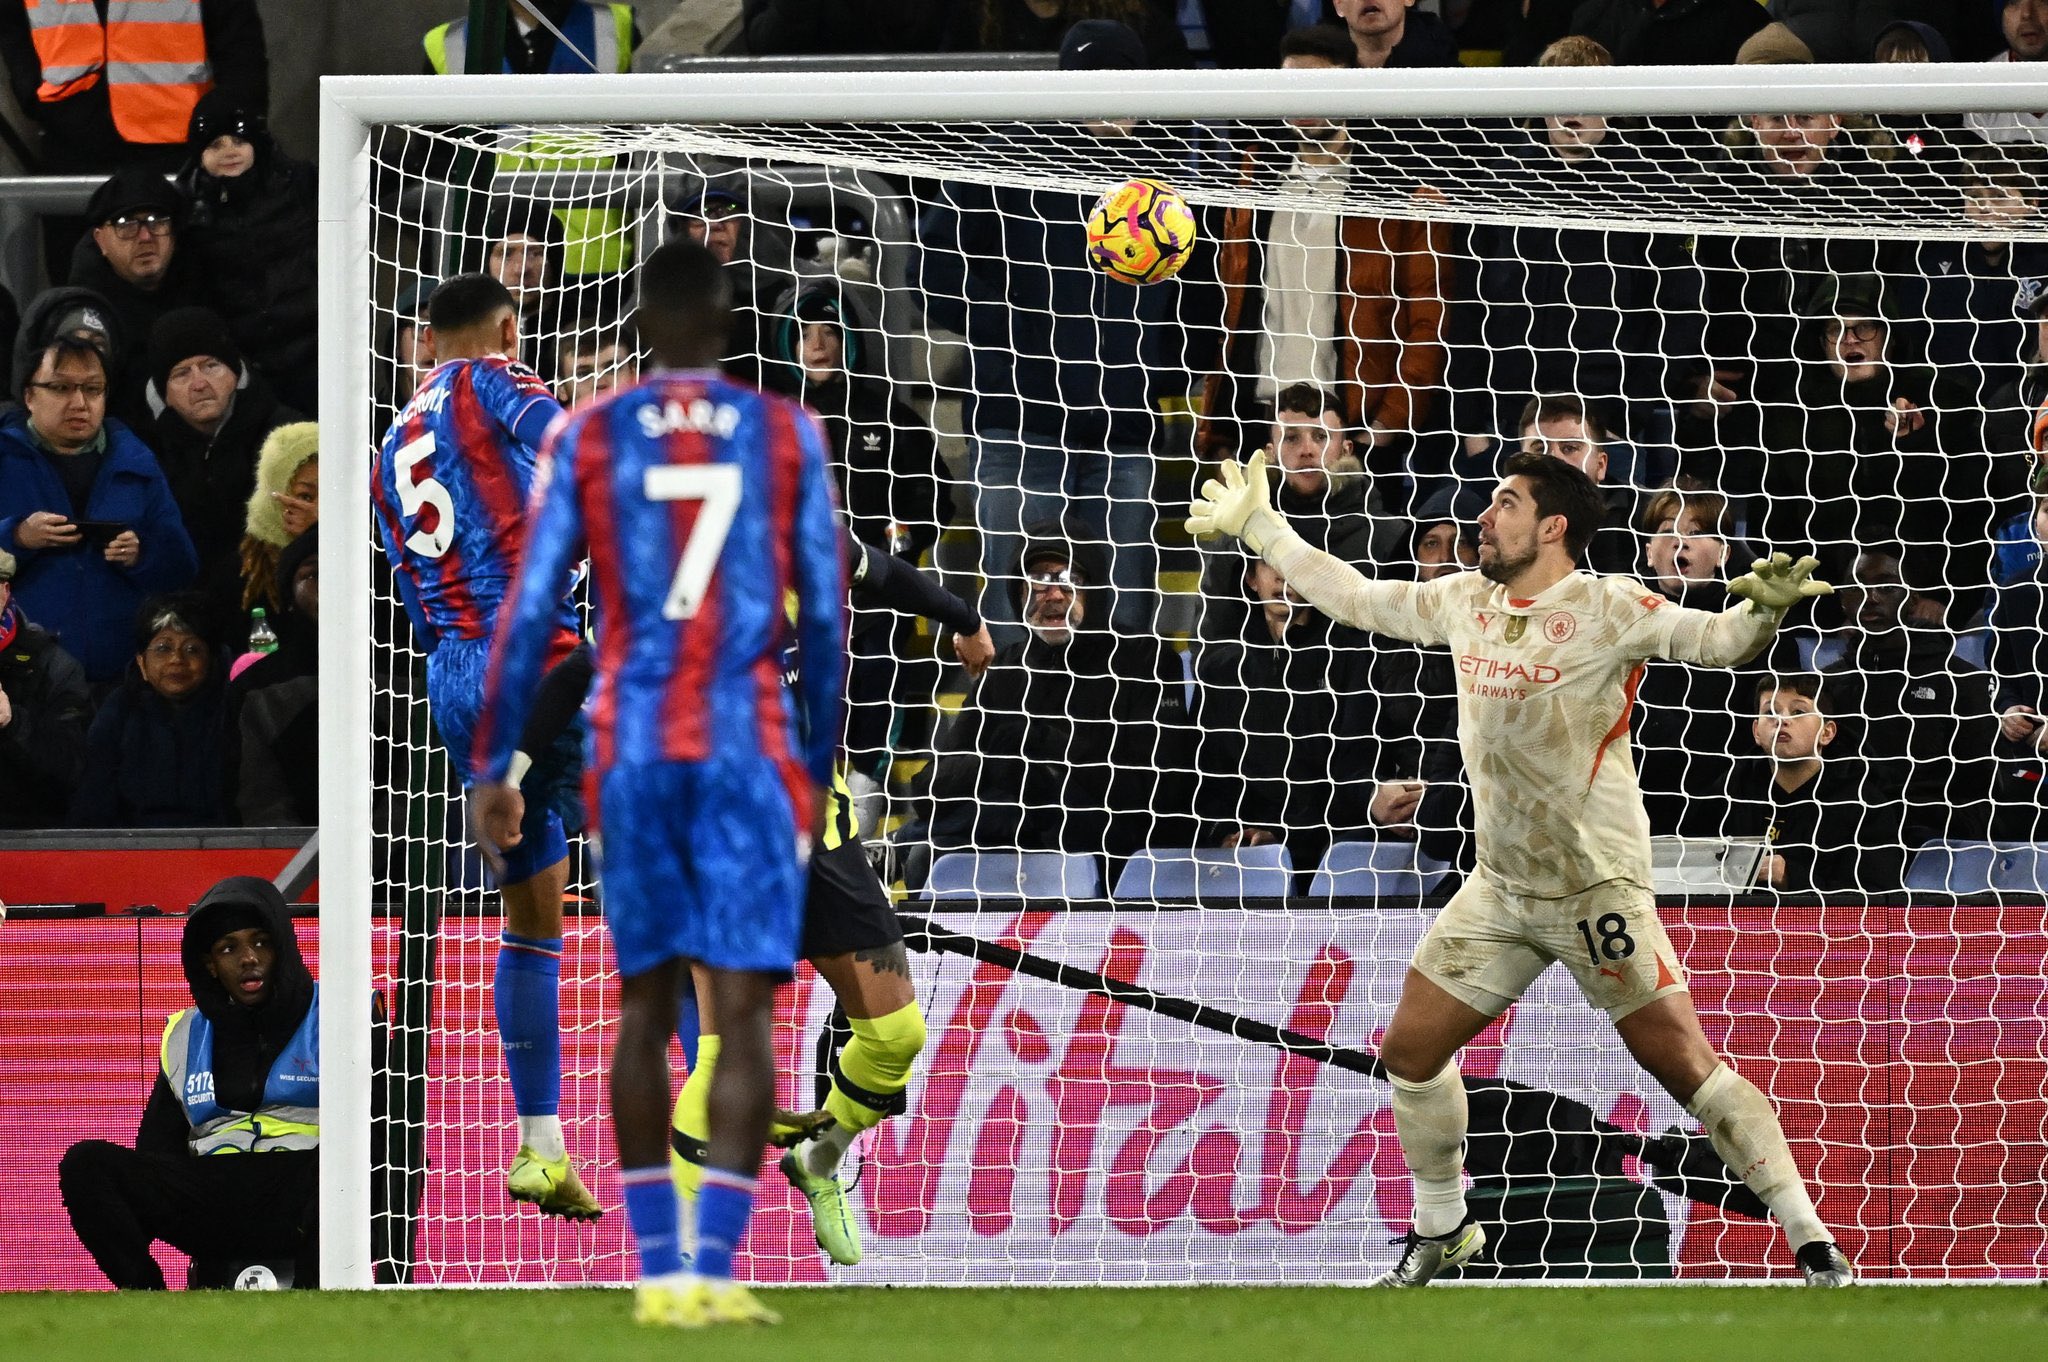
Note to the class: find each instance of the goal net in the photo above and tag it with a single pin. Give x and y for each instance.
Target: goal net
(1163, 868)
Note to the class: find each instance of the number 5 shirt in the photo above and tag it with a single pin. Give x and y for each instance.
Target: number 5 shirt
(450, 488)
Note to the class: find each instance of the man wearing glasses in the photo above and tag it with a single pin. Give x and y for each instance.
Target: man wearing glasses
(131, 259)
(86, 512)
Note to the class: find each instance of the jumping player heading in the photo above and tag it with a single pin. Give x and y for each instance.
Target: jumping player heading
(450, 489)
(1548, 661)
(705, 505)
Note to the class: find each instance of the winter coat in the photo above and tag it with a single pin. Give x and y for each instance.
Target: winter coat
(270, 729)
(1613, 316)
(257, 236)
(1057, 349)
(211, 478)
(1081, 749)
(1972, 304)
(1287, 736)
(76, 593)
(1393, 278)
(152, 762)
(1927, 728)
(1835, 832)
(1690, 723)
(887, 460)
(42, 746)
(1847, 30)
(184, 285)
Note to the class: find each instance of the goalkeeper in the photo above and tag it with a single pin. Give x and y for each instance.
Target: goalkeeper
(851, 936)
(1548, 661)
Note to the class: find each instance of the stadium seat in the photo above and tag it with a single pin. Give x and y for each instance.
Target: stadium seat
(1207, 873)
(2021, 867)
(1954, 867)
(1373, 870)
(1009, 875)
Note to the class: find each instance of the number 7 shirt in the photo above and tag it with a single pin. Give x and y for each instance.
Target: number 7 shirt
(450, 488)
(703, 506)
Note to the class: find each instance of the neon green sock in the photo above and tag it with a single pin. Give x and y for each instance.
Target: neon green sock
(692, 1120)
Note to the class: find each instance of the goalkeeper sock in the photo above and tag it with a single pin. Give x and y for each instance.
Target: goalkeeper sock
(691, 1127)
(526, 994)
(1745, 1132)
(656, 1218)
(868, 1080)
(725, 1203)
(1430, 1119)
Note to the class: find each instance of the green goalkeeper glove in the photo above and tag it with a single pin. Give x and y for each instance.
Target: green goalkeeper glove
(1240, 504)
(1777, 583)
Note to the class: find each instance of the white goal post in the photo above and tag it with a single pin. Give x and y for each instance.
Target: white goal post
(354, 108)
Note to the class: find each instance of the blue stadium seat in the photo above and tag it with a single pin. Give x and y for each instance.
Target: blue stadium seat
(1373, 870)
(1009, 875)
(1954, 867)
(2021, 868)
(1207, 873)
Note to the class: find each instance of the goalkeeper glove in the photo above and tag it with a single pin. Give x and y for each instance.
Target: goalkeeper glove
(1240, 504)
(1777, 583)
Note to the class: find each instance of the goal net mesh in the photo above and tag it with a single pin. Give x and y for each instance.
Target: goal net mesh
(1802, 333)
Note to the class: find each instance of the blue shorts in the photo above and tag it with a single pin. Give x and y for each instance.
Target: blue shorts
(554, 805)
(700, 863)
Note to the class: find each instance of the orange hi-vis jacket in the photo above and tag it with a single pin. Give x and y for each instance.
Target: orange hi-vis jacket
(152, 52)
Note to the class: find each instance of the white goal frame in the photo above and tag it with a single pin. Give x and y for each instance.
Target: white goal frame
(351, 107)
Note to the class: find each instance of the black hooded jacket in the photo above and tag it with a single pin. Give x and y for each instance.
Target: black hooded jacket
(246, 1040)
(257, 235)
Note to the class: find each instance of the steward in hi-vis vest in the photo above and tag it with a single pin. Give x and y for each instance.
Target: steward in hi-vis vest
(114, 82)
(600, 39)
(239, 1075)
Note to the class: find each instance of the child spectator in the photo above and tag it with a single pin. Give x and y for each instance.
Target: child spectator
(1821, 828)
(154, 752)
(44, 706)
(285, 504)
(598, 360)
(254, 225)
(85, 511)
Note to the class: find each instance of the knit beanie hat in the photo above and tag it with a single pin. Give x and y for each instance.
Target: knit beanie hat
(185, 332)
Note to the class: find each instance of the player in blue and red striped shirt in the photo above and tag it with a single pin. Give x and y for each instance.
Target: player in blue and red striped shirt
(450, 488)
(705, 505)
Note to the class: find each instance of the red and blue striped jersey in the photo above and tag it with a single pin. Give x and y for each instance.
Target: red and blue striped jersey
(704, 505)
(450, 489)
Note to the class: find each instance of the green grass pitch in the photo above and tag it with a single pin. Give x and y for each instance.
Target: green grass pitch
(1661, 1324)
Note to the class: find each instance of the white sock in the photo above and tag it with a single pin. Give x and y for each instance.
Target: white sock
(673, 1281)
(823, 1154)
(543, 1135)
(1430, 1118)
(1746, 1134)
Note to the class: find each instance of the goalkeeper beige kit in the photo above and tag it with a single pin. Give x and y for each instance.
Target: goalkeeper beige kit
(1545, 690)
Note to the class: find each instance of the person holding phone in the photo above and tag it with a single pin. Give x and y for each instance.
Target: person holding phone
(85, 510)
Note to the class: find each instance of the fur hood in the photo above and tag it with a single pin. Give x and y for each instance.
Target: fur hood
(284, 452)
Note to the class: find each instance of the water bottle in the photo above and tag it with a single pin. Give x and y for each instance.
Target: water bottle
(262, 638)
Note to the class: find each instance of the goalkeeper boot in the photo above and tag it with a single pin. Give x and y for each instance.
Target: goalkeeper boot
(832, 1222)
(699, 1305)
(788, 1129)
(550, 1184)
(1823, 1264)
(1425, 1257)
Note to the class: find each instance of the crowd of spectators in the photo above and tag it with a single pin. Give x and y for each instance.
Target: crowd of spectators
(1866, 398)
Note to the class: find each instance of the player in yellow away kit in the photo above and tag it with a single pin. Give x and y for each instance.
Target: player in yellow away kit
(1548, 661)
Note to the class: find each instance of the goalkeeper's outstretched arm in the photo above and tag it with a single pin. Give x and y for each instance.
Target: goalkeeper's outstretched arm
(1731, 637)
(1239, 503)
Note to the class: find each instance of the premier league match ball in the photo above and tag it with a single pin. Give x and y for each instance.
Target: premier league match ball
(1142, 231)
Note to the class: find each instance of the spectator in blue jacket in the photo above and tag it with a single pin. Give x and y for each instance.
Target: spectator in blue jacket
(86, 511)
(155, 754)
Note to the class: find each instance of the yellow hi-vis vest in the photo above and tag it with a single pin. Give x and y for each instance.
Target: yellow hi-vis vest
(597, 237)
(289, 1117)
